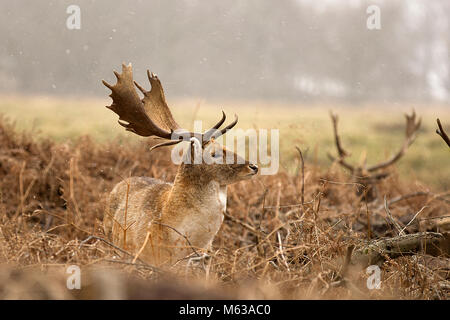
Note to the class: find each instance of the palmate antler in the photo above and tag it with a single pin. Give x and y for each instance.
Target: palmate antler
(440, 131)
(151, 116)
(412, 126)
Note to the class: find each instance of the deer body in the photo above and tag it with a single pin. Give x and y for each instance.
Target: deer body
(160, 221)
(181, 218)
(153, 206)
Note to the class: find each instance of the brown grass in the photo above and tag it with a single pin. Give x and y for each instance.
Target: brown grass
(270, 245)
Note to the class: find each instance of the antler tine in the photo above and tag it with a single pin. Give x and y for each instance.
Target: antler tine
(217, 133)
(141, 89)
(440, 131)
(210, 132)
(411, 125)
(165, 143)
(228, 127)
(341, 151)
(117, 74)
(109, 86)
(411, 128)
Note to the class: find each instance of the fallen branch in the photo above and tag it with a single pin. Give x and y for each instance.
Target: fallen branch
(377, 251)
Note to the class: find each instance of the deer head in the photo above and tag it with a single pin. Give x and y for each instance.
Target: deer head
(204, 160)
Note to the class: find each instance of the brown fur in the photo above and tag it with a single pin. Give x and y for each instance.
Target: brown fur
(180, 218)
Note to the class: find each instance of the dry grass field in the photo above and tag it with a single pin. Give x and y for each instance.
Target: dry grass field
(375, 131)
(63, 156)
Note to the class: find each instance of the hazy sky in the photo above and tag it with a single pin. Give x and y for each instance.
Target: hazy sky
(297, 49)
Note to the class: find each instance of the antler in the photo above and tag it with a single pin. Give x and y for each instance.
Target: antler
(337, 140)
(412, 126)
(140, 117)
(341, 151)
(151, 116)
(440, 131)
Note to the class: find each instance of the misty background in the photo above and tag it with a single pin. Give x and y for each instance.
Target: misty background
(289, 50)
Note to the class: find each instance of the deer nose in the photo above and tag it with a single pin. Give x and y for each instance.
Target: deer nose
(254, 167)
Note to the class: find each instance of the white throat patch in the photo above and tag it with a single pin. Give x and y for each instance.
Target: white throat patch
(223, 198)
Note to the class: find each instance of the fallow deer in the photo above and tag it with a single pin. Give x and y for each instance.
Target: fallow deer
(167, 222)
(368, 176)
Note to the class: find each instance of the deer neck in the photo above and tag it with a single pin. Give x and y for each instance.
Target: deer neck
(195, 208)
(198, 194)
